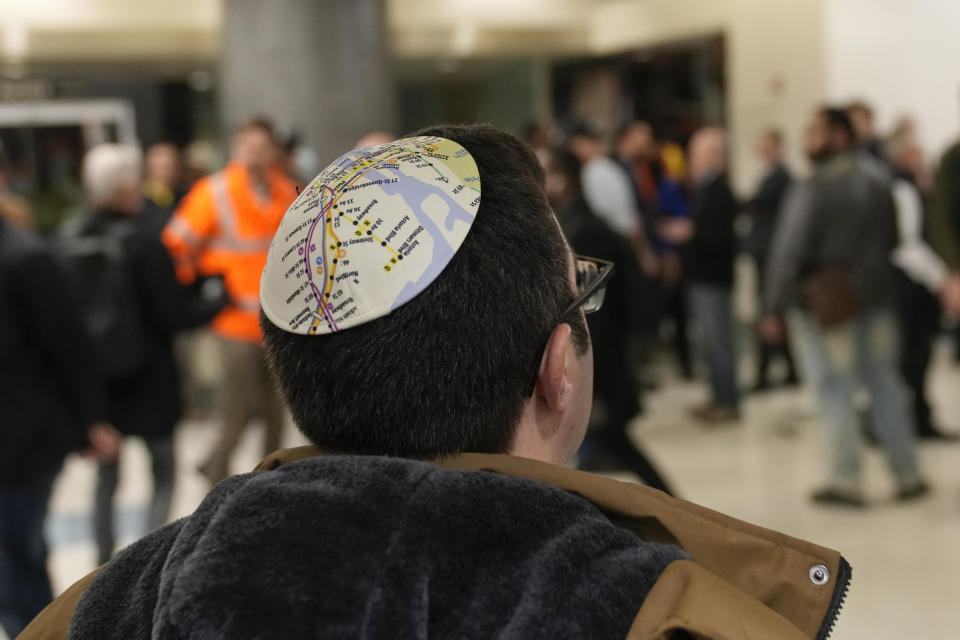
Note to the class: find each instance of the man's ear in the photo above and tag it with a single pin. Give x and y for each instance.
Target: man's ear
(553, 383)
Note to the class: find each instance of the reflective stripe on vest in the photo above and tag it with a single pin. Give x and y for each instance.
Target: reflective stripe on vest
(184, 232)
(228, 239)
(226, 216)
(246, 303)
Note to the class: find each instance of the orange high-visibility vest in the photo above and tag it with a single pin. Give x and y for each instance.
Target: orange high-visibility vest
(224, 227)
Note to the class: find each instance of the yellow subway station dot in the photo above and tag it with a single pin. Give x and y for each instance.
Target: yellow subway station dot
(358, 233)
(386, 267)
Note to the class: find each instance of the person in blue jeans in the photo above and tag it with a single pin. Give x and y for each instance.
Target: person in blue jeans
(836, 236)
(50, 403)
(708, 252)
(863, 351)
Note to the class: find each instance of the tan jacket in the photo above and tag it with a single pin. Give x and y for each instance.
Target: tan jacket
(744, 582)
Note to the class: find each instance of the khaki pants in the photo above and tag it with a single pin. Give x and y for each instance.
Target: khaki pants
(247, 391)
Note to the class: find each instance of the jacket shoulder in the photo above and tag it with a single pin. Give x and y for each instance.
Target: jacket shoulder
(689, 601)
(770, 567)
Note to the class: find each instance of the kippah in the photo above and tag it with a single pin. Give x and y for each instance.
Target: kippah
(369, 233)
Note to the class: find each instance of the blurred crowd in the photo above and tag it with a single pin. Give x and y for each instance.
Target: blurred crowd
(858, 263)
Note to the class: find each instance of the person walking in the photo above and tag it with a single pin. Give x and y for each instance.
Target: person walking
(831, 261)
(224, 226)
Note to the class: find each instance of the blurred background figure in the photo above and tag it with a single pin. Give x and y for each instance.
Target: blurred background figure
(161, 184)
(946, 226)
(657, 189)
(224, 227)
(616, 390)
(763, 209)
(539, 137)
(861, 115)
(709, 251)
(52, 403)
(921, 276)
(13, 208)
(661, 196)
(608, 191)
(833, 244)
(132, 304)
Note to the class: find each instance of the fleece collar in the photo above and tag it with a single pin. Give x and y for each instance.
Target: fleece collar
(802, 583)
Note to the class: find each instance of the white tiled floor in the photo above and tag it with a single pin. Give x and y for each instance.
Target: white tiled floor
(905, 558)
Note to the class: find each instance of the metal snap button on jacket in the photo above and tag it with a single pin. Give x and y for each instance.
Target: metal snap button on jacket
(819, 575)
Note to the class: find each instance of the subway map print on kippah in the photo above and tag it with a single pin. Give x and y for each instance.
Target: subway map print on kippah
(369, 233)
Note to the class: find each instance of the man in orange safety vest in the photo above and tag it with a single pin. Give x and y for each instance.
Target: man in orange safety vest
(224, 226)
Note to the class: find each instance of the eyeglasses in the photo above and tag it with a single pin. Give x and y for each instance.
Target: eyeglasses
(592, 277)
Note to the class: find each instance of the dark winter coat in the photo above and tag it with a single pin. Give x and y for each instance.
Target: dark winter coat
(50, 391)
(147, 402)
(709, 256)
(474, 546)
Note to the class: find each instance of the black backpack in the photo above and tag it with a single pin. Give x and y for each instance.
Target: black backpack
(102, 274)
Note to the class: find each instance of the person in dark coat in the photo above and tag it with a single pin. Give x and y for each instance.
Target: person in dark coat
(145, 402)
(616, 390)
(763, 209)
(709, 252)
(51, 403)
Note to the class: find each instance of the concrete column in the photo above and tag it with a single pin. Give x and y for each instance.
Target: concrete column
(318, 67)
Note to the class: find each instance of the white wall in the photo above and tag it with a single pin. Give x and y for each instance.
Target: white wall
(776, 67)
(903, 56)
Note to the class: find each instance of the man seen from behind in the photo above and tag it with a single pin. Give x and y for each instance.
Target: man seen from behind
(443, 386)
